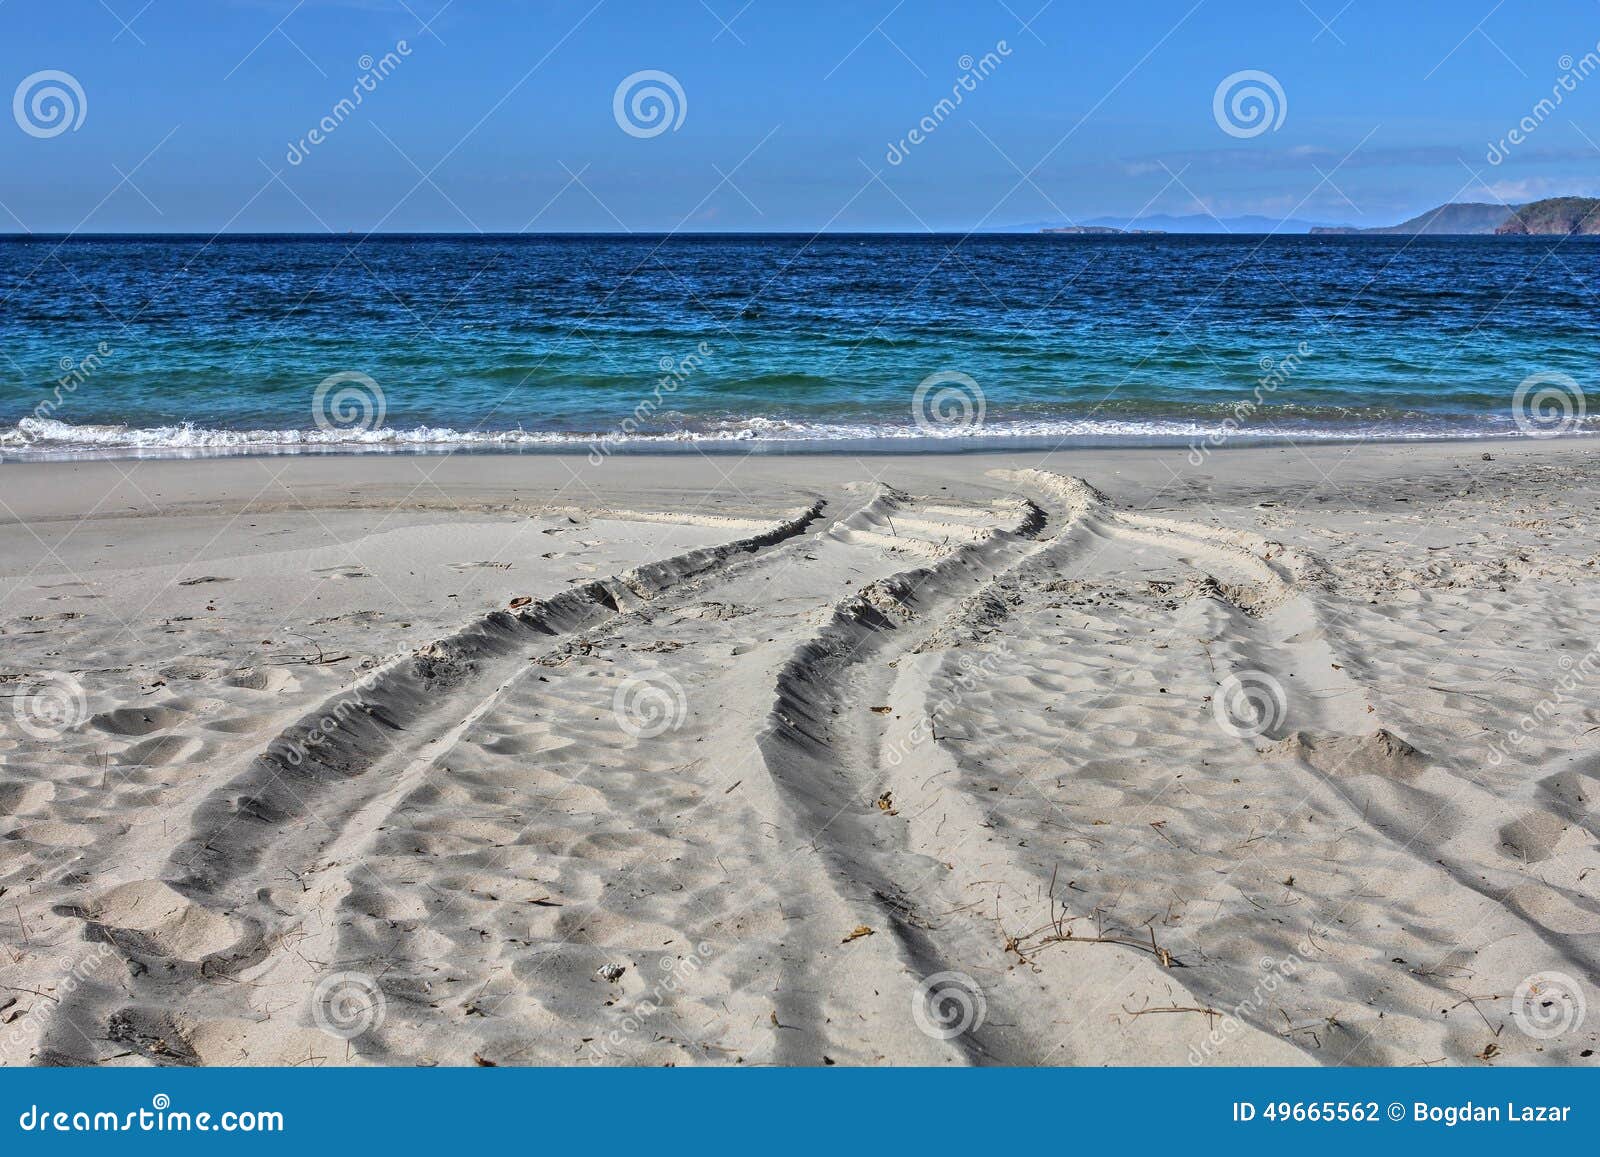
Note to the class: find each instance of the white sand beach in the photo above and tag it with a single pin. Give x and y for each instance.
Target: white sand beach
(1099, 757)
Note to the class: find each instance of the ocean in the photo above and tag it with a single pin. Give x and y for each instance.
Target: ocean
(194, 345)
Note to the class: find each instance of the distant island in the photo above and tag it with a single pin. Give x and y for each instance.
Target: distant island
(1552, 217)
(1168, 223)
(1098, 230)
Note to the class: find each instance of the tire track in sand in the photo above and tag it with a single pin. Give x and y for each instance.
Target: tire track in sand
(309, 800)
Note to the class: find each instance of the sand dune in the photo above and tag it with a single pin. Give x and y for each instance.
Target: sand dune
(957, 760)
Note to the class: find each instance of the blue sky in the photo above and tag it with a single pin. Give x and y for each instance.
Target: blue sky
(499, 116)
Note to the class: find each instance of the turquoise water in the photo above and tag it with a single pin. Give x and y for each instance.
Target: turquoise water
(786, 342)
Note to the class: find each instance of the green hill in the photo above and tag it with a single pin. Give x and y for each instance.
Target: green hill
(1555, 217)
(1552, 217)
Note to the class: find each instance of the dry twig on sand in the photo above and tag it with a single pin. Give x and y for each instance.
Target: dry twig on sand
(1059, 931)
(1209, 1013)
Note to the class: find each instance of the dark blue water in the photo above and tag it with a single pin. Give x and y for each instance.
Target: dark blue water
(786, 341)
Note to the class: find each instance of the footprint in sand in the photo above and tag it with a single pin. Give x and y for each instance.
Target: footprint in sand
(196, 667)
(152, 917)
(263, 679)
(137, 720)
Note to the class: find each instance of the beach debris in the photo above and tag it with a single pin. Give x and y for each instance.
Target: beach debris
(860, 931)
(886, 803)
(520, 601)
(1205, 1010)
(611, 973)
(882, 710)
(484, 1062)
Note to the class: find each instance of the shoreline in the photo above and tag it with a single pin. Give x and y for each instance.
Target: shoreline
(495, 475)
(1199, 440)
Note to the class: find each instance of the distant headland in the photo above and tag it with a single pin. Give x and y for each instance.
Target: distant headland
(1552, 217)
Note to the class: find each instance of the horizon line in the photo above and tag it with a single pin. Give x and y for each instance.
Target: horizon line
(1052, 232)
